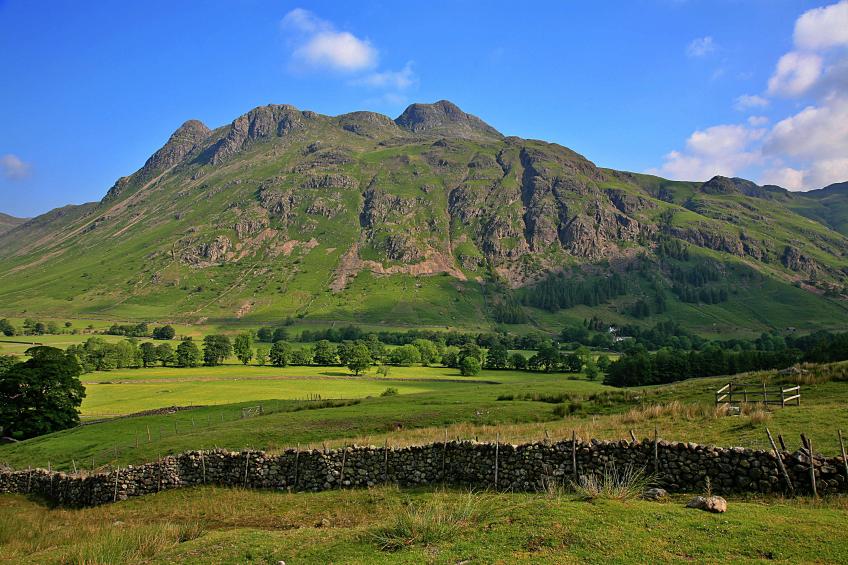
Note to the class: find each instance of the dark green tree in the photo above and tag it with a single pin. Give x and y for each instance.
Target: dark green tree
(359, 357)
(325, 353)
(6, 327)
(149, 355)
(41, 395)
(469, 366)
(165, 353)
(188, 354)
(216, 349)
(518, 361)
(280, 354)
(497, 357)
(243, 347)
(165, 332)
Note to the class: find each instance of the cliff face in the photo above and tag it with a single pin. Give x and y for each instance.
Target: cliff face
(284, 208)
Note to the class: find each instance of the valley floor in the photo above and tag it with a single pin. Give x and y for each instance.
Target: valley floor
(387, 525)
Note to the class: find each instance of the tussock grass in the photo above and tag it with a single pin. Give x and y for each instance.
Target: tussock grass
(626, 483)
(33, 532)
(434, 520)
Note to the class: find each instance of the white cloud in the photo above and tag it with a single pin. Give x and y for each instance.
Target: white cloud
(822, 28)
(399, 80)
(748, 101)
(807, 149)
(701, 47)
(719, 150)
(787, 177)
(796, 72)
(816, 132)
(321, 46)
(13, 168)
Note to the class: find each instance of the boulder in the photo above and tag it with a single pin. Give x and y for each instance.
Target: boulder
(714, 504)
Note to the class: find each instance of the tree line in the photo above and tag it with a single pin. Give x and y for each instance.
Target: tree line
(639, 367)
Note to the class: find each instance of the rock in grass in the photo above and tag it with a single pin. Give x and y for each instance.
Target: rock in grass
(655, 494)
(714, 504)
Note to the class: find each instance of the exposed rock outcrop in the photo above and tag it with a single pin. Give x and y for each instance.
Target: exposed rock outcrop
(444, 118)
(259, 123)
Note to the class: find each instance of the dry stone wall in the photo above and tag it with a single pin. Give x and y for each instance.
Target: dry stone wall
(528, 467)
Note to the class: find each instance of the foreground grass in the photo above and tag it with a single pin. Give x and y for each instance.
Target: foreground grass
(383, 525)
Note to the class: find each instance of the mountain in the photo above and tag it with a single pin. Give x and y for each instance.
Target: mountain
(434, 218)
(8, 222)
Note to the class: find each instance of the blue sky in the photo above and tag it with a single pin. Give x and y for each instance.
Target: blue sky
(683, 88)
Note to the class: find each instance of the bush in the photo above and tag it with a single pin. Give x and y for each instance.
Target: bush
(469, 366)
(391, 391)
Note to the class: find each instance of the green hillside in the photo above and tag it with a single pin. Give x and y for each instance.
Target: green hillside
(434, 219)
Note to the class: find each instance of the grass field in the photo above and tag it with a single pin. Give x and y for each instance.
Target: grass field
(385, 525)
(422, 412)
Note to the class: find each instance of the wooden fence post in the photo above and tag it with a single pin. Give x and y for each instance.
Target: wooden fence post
(117, 474)
(203, 465)
(296, 466)
(444, 454)
(341, 474)
(812, 469)
(574, 457)
(656, 451)
(844, 458)
(497, 445)
(386, 461)
(246, 462)
(780, 464)
(148, 434)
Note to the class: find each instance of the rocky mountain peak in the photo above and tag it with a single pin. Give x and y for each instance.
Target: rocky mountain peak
(262, 122)
(444, 118)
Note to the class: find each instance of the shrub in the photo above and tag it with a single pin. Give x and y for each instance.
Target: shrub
(391, 391)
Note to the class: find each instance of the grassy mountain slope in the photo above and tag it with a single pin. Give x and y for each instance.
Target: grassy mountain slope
(434, 218)
(8, 222)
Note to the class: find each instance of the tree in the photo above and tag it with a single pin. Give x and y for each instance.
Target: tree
(472, 350)
(265, 334)
(359, 357)
(518, 361)
(52, 328)
(165, 353)
(498, 357)
(149, 355)
(188, 354)
(216, 348)
(450, 357)
(404, 355)
(39, 328)
(280, 354)
(243, 347)
(428, 351)
(41, 395)
(572, 363)
(378, 350)
(261, 356)
(6, 327)
(469, 366)
(165, 332)
(603, 362)
(302, 356)
(280, 334)
(325, 353)
(591, 370)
